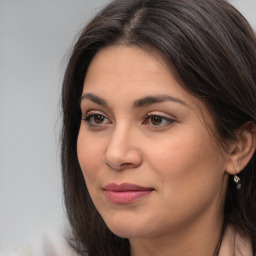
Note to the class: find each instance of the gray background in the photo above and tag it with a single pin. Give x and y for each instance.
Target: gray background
(34, 40)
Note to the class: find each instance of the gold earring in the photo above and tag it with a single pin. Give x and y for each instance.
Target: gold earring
(237, 181)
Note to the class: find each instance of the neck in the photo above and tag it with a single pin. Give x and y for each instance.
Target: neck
(198, 239)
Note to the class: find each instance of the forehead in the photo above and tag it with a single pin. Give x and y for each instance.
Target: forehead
(129, 67)
(128, 62)
(132, 71)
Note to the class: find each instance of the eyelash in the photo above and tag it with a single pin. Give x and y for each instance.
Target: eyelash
(167, 121)
(89, 117)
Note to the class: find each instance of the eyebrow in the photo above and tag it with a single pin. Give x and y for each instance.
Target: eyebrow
(145, 101)
(95, 99)
(156, 99)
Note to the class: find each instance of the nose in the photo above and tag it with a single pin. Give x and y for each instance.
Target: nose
(123, 151)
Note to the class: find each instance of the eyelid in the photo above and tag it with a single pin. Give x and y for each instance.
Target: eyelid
(165, 121)
(161, 114)
(93, 112)
(89, 119)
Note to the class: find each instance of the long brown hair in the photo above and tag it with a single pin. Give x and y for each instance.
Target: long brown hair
(212, 50)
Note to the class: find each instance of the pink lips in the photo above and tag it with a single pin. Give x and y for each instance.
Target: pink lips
(125, 193)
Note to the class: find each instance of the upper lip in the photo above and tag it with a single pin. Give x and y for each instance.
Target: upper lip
(126, 187)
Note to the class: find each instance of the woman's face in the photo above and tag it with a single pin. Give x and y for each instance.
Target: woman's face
(149, 160)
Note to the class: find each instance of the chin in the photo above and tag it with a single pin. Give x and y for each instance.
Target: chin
(125, 228)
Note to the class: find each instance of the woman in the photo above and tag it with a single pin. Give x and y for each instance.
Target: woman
(158, 143)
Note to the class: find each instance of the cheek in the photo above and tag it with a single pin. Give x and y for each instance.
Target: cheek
(187, 162)
(189, 174)
(90, 156)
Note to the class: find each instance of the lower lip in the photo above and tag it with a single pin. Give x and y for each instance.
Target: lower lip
(126, 197)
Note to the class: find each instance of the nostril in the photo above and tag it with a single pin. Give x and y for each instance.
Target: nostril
(127, 165)
(119, 167)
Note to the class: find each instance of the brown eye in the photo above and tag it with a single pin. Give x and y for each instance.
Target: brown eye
(98, 119)
(156, 120)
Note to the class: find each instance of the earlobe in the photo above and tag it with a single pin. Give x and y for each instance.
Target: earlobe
(243, 149)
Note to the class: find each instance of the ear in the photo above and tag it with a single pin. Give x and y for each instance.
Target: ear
(243, 149)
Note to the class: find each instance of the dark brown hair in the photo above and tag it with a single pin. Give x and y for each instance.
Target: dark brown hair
(212, 50)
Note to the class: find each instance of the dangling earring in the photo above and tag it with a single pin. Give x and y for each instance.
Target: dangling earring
(237, 181)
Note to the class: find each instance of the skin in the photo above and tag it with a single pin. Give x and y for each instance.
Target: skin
(175, 154)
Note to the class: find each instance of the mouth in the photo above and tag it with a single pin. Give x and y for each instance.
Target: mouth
(126, 193)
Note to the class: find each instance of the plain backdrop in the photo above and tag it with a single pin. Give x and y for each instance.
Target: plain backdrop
(35, 38)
